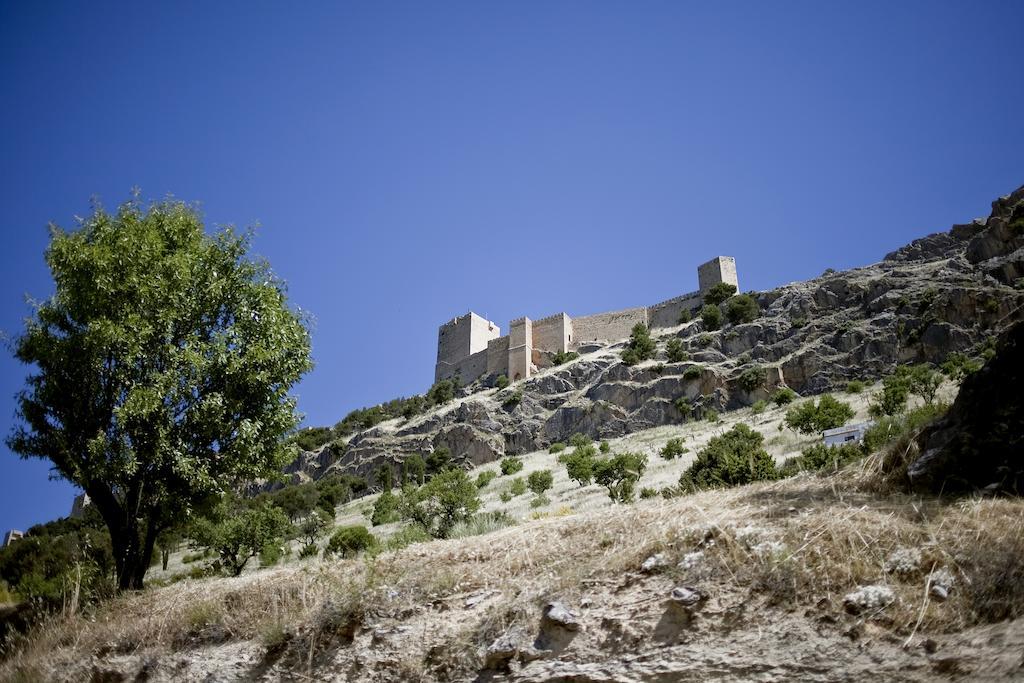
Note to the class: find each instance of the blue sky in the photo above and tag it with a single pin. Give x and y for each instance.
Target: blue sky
(408, 162)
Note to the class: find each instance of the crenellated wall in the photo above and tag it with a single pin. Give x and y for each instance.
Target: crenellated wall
(607, 326)
(666, 314)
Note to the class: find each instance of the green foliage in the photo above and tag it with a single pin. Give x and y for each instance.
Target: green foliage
(605, 447)
(312, 438)
(890, 428)
(448, 498)
(311, 529)
(237, 534)
(414, 470)
(406, 536)
(511, 399)
(711, 316)
(439, 460)
(620, 474)
(540, 481)
(442, 392)
(483, 523)
(640, 346)
(349, 541)
(958, 366)
(511, 465)
(734, 458)
(719, 293)
(556, 447)
(384, 476)
(924, 382)
(517, 487)
(579, 464)
(161, 368)
(705, 340)
(692, 372)
(855, 386)
(819, 457)
(308, 551)
(564, 357)
(682, 404)
(579, 440)
(811, 418)
(759, 407)
(271, 554)
(485, 478)
(742, 308)
(711, 415)
(752, 378)
(506, 496)
(893, 398)
(647, 493)
(674, 448)
(675, 351)
(798, 322)
(784, 396)
(540, 500)
(685, 316)
(501, 382)
(385, 509)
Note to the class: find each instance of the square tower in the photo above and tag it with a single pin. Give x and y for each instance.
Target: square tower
(718, 269)
(460, 338)
(520, 348)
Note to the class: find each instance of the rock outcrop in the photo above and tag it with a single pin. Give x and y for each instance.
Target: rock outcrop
(947, 292)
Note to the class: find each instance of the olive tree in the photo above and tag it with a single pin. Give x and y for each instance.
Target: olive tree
(161, 369)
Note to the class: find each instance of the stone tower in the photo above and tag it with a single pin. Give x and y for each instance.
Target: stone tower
(520, 348)
(718, 269)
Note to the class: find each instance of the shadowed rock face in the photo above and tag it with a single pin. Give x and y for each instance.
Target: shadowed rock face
(942, 293)
(979, 443)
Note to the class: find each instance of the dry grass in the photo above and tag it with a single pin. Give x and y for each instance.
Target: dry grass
(813, 540)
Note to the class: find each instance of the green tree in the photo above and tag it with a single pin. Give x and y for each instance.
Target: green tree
(640, 346)
(448, 498)
(311, 529)
(162, 366)
(742, 308)
(893, 398)
(442, 392)
(924, 382)
(810, 418)
(719, 293)
(237, 535)
(350, 540)
(540, 481)
(385, 509)
(579, 464)
(958, 366)
(414, 470)
(674, 448)
(734, 458)
(619, 474)
(712, 317)
(675, 351)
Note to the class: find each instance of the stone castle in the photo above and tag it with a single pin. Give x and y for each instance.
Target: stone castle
(470, 347)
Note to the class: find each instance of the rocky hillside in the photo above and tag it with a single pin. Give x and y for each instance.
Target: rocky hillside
(948, 292)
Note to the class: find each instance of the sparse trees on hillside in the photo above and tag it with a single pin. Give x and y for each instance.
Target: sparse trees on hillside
(719, 293)
(711, 316)
(741, 308)
(237, 535)
(161, 369)
(640, 347)
(734, 458)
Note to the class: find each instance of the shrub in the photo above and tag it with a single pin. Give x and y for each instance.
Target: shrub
(682, 404)
(854, 386)
(810, 418)
(692, 372)
(620, 474)
(512, 399)
(312, 528)
(640, 346)
(505, 496)
(924, 382)
(647, 492)
(673, 448)
(556, 447)
(485, 478)
(579, 440)
(540, 481)
(704, 341)
(719, 293)
(308, 551)
(348, 541)
(759, 407)
(517, 487)
(711, 415)
(798, 322)
(606, 447)
(385, 509)
(482, 523)
(511, 465)
(414, 470)
(448, 498)
(752, 378)
(958, 366)
(890, 428)
(741, 309)
(821, 457)
(442, 392)
(501, 382)
(564, 357)
(539, 501)
(406, 536)
(685, 316)
(893, 398)
(271, 554)
(783, 396)
(711, 316)
(675, 351)
(734, 458)
(439, 460)
(579, 464)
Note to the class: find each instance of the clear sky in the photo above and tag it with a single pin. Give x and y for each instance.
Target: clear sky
(408, 162)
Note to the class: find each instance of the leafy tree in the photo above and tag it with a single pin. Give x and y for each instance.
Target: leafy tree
(350, 540)
(579, 464)
(893, 398)
(712, 317)
(752, 378)
(675, 351)
(540, 481)
(734, 458)
(296, 501)
(385, 509)
(511, 465)
(448, 498)
(439, 460)
(640, 346)
(958, 366)
(414, 470)
(619, 474)
(742, 308)
(311, 529)
(562, 357)
(237, 535)
(784, 396)
(384, 476)
(810, 418)
(673, 448)
(413, 407)
(719, 293)
(442, 392)
(924, 382)
(168, 541)
(162, 365)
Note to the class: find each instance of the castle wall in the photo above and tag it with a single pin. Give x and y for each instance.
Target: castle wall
(553, 333)
(666, 313)
(607, 326)
(467, 369)
(458, 340)
(497, 356)
(520, 348)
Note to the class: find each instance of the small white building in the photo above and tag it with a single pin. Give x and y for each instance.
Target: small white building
(11, 536)
(846, 434)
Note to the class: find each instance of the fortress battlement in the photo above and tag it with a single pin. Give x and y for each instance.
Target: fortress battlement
(471, 346)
